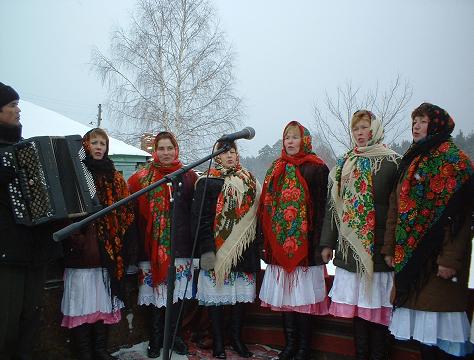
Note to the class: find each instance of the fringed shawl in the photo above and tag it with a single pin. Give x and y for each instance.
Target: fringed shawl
(352, 200)
(235, 221)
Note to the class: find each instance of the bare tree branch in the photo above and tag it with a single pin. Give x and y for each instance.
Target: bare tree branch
(171, 70)
(332, 122)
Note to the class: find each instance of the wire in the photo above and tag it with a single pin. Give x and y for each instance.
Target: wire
(196, 234)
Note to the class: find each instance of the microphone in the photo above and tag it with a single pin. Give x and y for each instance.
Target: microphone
(246, 133)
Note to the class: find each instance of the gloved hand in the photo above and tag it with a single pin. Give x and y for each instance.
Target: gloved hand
(7, 174)
(208, 260)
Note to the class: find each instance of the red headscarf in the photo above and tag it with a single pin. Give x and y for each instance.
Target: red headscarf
(286, 206)
(154, 209)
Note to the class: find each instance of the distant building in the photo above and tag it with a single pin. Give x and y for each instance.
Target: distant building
(39, 121)
(146, 142)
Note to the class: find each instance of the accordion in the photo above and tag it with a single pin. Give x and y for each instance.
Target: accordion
(52, 182)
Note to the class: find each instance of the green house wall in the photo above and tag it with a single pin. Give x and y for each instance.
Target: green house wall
(128, 164)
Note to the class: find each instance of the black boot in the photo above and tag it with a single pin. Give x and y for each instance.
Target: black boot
(179, 346)
(291, 336)
(156, 332)
(428, 352)
(361, 338)
(304, 333)
(100, 342)
(215, 314)
(379, 341)
(235, 331)
(82, 341)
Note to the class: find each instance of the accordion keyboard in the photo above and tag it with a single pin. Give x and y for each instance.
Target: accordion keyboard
(37, 194)
(51, 181)
(18, 202)
(87, 174)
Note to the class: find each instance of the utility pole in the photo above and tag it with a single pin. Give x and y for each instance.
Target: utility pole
(99, 116)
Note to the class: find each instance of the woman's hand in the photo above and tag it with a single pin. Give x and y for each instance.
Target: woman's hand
(208, 260)
(445, 272)
(326, 254)
(389, 261)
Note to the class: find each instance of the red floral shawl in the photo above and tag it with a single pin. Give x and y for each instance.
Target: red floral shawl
(285, 205)
(428, 185)
(431, 172)
(154, 212)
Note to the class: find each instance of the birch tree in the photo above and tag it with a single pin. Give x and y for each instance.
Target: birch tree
(172, 70)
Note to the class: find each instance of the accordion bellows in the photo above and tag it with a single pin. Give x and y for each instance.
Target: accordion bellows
(52, 182)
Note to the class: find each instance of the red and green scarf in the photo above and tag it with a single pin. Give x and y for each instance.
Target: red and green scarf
(286, 207)
(154, 209)
(426, 188)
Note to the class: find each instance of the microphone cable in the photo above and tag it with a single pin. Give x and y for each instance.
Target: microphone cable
(196, 234)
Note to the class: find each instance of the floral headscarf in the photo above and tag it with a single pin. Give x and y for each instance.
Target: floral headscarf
(235, 221)
(286, 206)
(430, 186)
(154, 209)
(352, 198)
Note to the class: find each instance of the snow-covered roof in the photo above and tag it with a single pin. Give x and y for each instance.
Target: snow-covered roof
(38, 121)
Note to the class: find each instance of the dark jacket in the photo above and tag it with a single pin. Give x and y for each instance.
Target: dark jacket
(19, 244)
(438, 294)
(81, 249)
(317, 180)
(249, 261)
(183, 240)
(382, 183)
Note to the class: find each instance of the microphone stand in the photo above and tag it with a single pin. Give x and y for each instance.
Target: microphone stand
(175, 194)
(173, 178)
(68, 230)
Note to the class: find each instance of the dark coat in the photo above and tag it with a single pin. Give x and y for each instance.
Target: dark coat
(81, 249)
(317, 180)
(249, 261)
(19, 244)
(382, 182)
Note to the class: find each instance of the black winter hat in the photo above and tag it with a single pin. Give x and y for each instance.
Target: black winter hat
(7, 95)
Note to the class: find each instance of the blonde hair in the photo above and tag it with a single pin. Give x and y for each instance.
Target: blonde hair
(292, 127)
(360, 115)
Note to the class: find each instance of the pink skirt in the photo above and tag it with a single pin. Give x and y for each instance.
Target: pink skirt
(353, 295)
(303, 291)
(86, 299)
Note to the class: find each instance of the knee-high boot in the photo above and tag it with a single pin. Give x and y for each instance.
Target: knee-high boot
(215, 314)
(179, 346)
(156, 332)
(428, 352)
(361, 338)
(291, 336)
(236, 329)
(100, 342)
(82, 341)
(379, 341)
(304, 333)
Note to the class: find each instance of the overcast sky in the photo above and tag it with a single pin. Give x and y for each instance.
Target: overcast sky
(288, 53)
